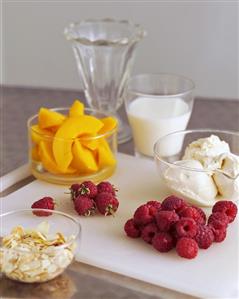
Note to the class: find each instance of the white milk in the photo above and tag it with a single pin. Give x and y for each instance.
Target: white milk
(151, 118)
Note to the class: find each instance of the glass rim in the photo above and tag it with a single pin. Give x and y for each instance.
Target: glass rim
(139, 34)
(184, 132)
(160, 75)
(85, 138)
(65, 245)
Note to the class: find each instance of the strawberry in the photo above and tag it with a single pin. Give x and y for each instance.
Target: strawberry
(106, 187)
(106, 203)
(84, 205)
(87, 188)
(74, 190)
(43, 203)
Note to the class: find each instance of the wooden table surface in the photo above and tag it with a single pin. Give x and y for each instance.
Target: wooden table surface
(80, 280)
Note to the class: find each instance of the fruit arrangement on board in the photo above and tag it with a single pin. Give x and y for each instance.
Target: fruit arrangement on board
(172, 223)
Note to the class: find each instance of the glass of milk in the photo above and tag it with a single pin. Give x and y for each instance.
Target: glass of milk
(156, 105)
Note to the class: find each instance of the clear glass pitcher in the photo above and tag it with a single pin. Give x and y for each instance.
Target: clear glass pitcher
(104, 51)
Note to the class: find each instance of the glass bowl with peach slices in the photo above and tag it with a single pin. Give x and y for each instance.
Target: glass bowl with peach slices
(72, 144)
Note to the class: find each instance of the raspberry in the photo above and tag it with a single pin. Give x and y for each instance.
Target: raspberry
(204, 236)
(154, 207)
(165, 220)
(219, 234)
(172, 202)
(131, 229)
(173, 232)
(216, 224)
(163, 242)
(148, 232)
(186, 227)
(203, 219)
(87, 188)
(192, 212)
(218, 217)
(187, 248)
(43, 203)
(106, 203)
(84, 205)
(106, 187)
(227, 207)
(143, 215)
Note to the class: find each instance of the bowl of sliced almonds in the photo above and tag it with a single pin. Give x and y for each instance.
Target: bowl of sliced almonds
(37, 245)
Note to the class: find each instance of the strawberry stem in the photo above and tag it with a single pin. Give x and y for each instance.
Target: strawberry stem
(110, 210)
(84, 190)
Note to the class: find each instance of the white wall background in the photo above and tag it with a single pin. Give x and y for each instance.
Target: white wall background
(197, 39)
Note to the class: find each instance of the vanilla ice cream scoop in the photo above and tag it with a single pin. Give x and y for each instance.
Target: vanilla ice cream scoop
(207, 151)
(227, 178)
(196, 186)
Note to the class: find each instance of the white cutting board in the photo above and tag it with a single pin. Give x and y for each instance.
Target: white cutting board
(214, 273)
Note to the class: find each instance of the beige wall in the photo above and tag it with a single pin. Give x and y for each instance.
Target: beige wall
(197, 39)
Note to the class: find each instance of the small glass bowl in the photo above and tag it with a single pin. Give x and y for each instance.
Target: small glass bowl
(171, 148)
(33, 264)
(43, 164)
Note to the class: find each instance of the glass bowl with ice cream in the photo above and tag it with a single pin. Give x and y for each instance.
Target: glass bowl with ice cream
(201, 166)
(72, 144)
(37, 245)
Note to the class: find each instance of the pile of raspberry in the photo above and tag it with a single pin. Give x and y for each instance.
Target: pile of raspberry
(175, 223)
(89, 198)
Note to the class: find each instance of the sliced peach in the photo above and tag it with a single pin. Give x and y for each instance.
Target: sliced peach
(45, 153)
(90, 144)
(39, 134)
(88, 141)
(77, 109)
(109, 124)
(105, 156)
(53, 129)
(46, 156)
(48, 118)
(35, 154)
(71, 128)
(83, 158)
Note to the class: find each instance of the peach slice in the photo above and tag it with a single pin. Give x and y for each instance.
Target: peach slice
(47, 159)
(71, 128)
(48, 118)
(105, 156)
(35, 154)
(77, 109)
(109, 124)
(83, 158)
(39, 134)
(88, 141)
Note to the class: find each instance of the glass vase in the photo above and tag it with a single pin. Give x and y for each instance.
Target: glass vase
(104, 52)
